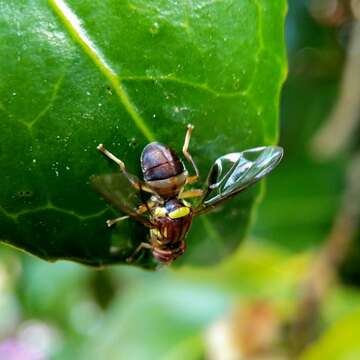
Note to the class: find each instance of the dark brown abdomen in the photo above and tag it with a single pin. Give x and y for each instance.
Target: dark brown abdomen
(159, 162)
(168, 241)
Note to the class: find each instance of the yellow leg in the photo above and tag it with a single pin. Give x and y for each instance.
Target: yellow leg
(142, 245)
(188, 156)
(112, 222)
(121, 164)
(191, 179)
(140, 210)
(191, 193)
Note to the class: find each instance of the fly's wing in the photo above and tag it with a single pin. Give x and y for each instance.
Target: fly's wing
(235, 172)
(119, 192)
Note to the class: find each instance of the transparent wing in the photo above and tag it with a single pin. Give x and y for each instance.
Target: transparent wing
(119, 192)
(235, 172)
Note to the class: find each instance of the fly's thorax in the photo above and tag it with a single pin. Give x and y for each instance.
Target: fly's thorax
(172, 209)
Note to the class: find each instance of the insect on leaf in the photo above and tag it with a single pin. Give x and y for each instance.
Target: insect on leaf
(74, 74)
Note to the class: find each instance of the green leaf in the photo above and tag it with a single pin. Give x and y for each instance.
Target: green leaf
(123, 73)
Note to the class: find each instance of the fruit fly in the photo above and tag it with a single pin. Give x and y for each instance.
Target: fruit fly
(166, 213)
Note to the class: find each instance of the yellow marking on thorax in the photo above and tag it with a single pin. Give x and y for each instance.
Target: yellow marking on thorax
(158, 236)
(160, 212)
(156, 233)
(179, 213)
(165, 232)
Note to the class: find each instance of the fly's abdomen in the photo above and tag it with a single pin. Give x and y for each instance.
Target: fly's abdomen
(168, 238)
(168, 254)
(159, 162)
(170, 230)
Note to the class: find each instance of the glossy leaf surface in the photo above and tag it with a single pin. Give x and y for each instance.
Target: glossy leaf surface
(78, 73)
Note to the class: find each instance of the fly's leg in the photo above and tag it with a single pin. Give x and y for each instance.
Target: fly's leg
(147, 205)
(140, 210)
(112, 222)
(142, 245)
(190, 179)
(121, 164)
(191, 193)
(111, 156)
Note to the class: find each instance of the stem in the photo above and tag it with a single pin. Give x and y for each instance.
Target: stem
(328, 261)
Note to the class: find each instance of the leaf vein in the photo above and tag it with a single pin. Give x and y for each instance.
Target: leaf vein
(73, 26)
(50, 206)
(43, 112)
(203, 86)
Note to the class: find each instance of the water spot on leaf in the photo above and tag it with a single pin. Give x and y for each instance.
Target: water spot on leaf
(109, 90)
(236, 84)
(133, 143)
(154, 28)
(86, 116)
(24, 193)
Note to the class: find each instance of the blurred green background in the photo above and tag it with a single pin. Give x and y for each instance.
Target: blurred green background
(67, 311)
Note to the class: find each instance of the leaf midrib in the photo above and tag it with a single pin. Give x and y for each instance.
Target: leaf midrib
(72, 24)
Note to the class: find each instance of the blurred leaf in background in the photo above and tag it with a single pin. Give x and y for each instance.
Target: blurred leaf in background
(305, 193)
(339, 342)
